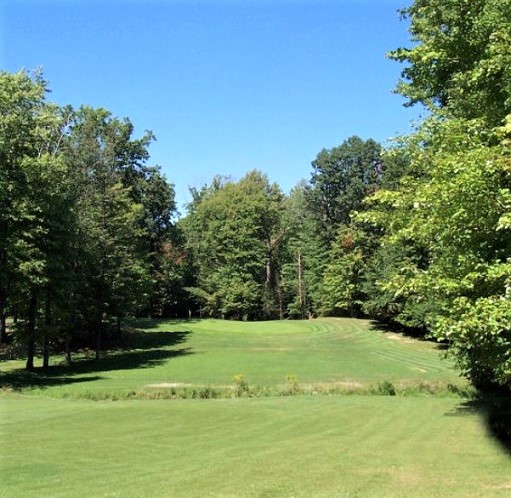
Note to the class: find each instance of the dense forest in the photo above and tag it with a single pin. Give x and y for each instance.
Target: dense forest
(416, 234)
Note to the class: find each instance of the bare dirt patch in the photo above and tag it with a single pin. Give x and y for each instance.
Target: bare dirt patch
(346, 384)
(506, 485)
(418, 369)
(397, 337)
(169, 384)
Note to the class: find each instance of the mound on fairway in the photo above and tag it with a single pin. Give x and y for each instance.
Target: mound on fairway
(323, 353)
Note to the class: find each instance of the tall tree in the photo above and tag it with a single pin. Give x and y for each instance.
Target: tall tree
(35, 213)
(342, 178)
(303, 259)
(457, 209)
(233, 235)
(21, 101)
(344, 274)
(114, 276)
(461, 58)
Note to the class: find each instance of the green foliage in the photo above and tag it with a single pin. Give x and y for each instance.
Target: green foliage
(159, 242)
(242, 388)
(317, 276)
(387, 262)
(446, 221)
(76, 203)
(292, 380)
(448, 241)
(342, 177)
(344, 273)
(461, 60)
(114, 276)
(303, 257)
(36, 216)
(386, 388)
(233, 234)
(481, 340)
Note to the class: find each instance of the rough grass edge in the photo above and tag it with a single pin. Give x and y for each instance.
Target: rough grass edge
(242, 389)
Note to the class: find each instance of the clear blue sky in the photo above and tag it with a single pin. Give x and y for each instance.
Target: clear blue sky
(226, 85)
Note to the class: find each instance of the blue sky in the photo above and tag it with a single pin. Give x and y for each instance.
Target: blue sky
(225, 85)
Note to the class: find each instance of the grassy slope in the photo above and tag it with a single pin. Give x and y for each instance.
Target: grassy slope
(275, 446)
(212, 352)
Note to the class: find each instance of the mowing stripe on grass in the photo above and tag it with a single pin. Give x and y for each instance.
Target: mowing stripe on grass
(299, 446)
(212, 352)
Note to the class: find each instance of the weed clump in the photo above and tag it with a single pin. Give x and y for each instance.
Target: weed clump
(241, 388)
(385, 388)
(292, 387)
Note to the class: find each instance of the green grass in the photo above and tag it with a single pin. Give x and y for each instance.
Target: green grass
(268, 446)
(295, 446)
(325, 353)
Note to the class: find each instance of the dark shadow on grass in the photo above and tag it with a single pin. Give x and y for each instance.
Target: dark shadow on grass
(151, 323)
(118, 361)
(19, 380)
(396, 328)
(495, 409)
(137, 349)
(138, 339)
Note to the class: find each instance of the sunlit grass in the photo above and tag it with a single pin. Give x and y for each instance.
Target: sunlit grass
(326, 352)
(260, 444)
(296, 446)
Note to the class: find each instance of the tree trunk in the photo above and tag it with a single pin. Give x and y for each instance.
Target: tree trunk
(32, 310)
(46, 351)
(153, 272)
(4, 338)
(279, 295)
(98, 332)
(98, 337)
(47, 323)
(118, 327)
(3, 319)
(5, 279)
(68, 357)
(301, 298)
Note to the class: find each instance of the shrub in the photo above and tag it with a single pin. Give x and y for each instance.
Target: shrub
(241, 385)
(386, 388)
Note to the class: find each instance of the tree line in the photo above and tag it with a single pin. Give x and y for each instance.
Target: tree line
(86, 233)
(416, 234)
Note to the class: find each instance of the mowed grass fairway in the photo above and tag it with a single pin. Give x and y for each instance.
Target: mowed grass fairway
(324, 352)
(56, 442)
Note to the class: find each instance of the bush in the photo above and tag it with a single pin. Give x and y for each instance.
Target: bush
(386, 388)
(241, 385)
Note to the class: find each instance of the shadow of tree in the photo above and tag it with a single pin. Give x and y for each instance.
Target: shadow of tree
(151, 323)
(137, 350)
(413, 333)
(21, 379)
(139, 339)
(117, 361)
(495, 410)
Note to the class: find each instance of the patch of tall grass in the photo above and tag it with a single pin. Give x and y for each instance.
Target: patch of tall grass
(242, 389)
